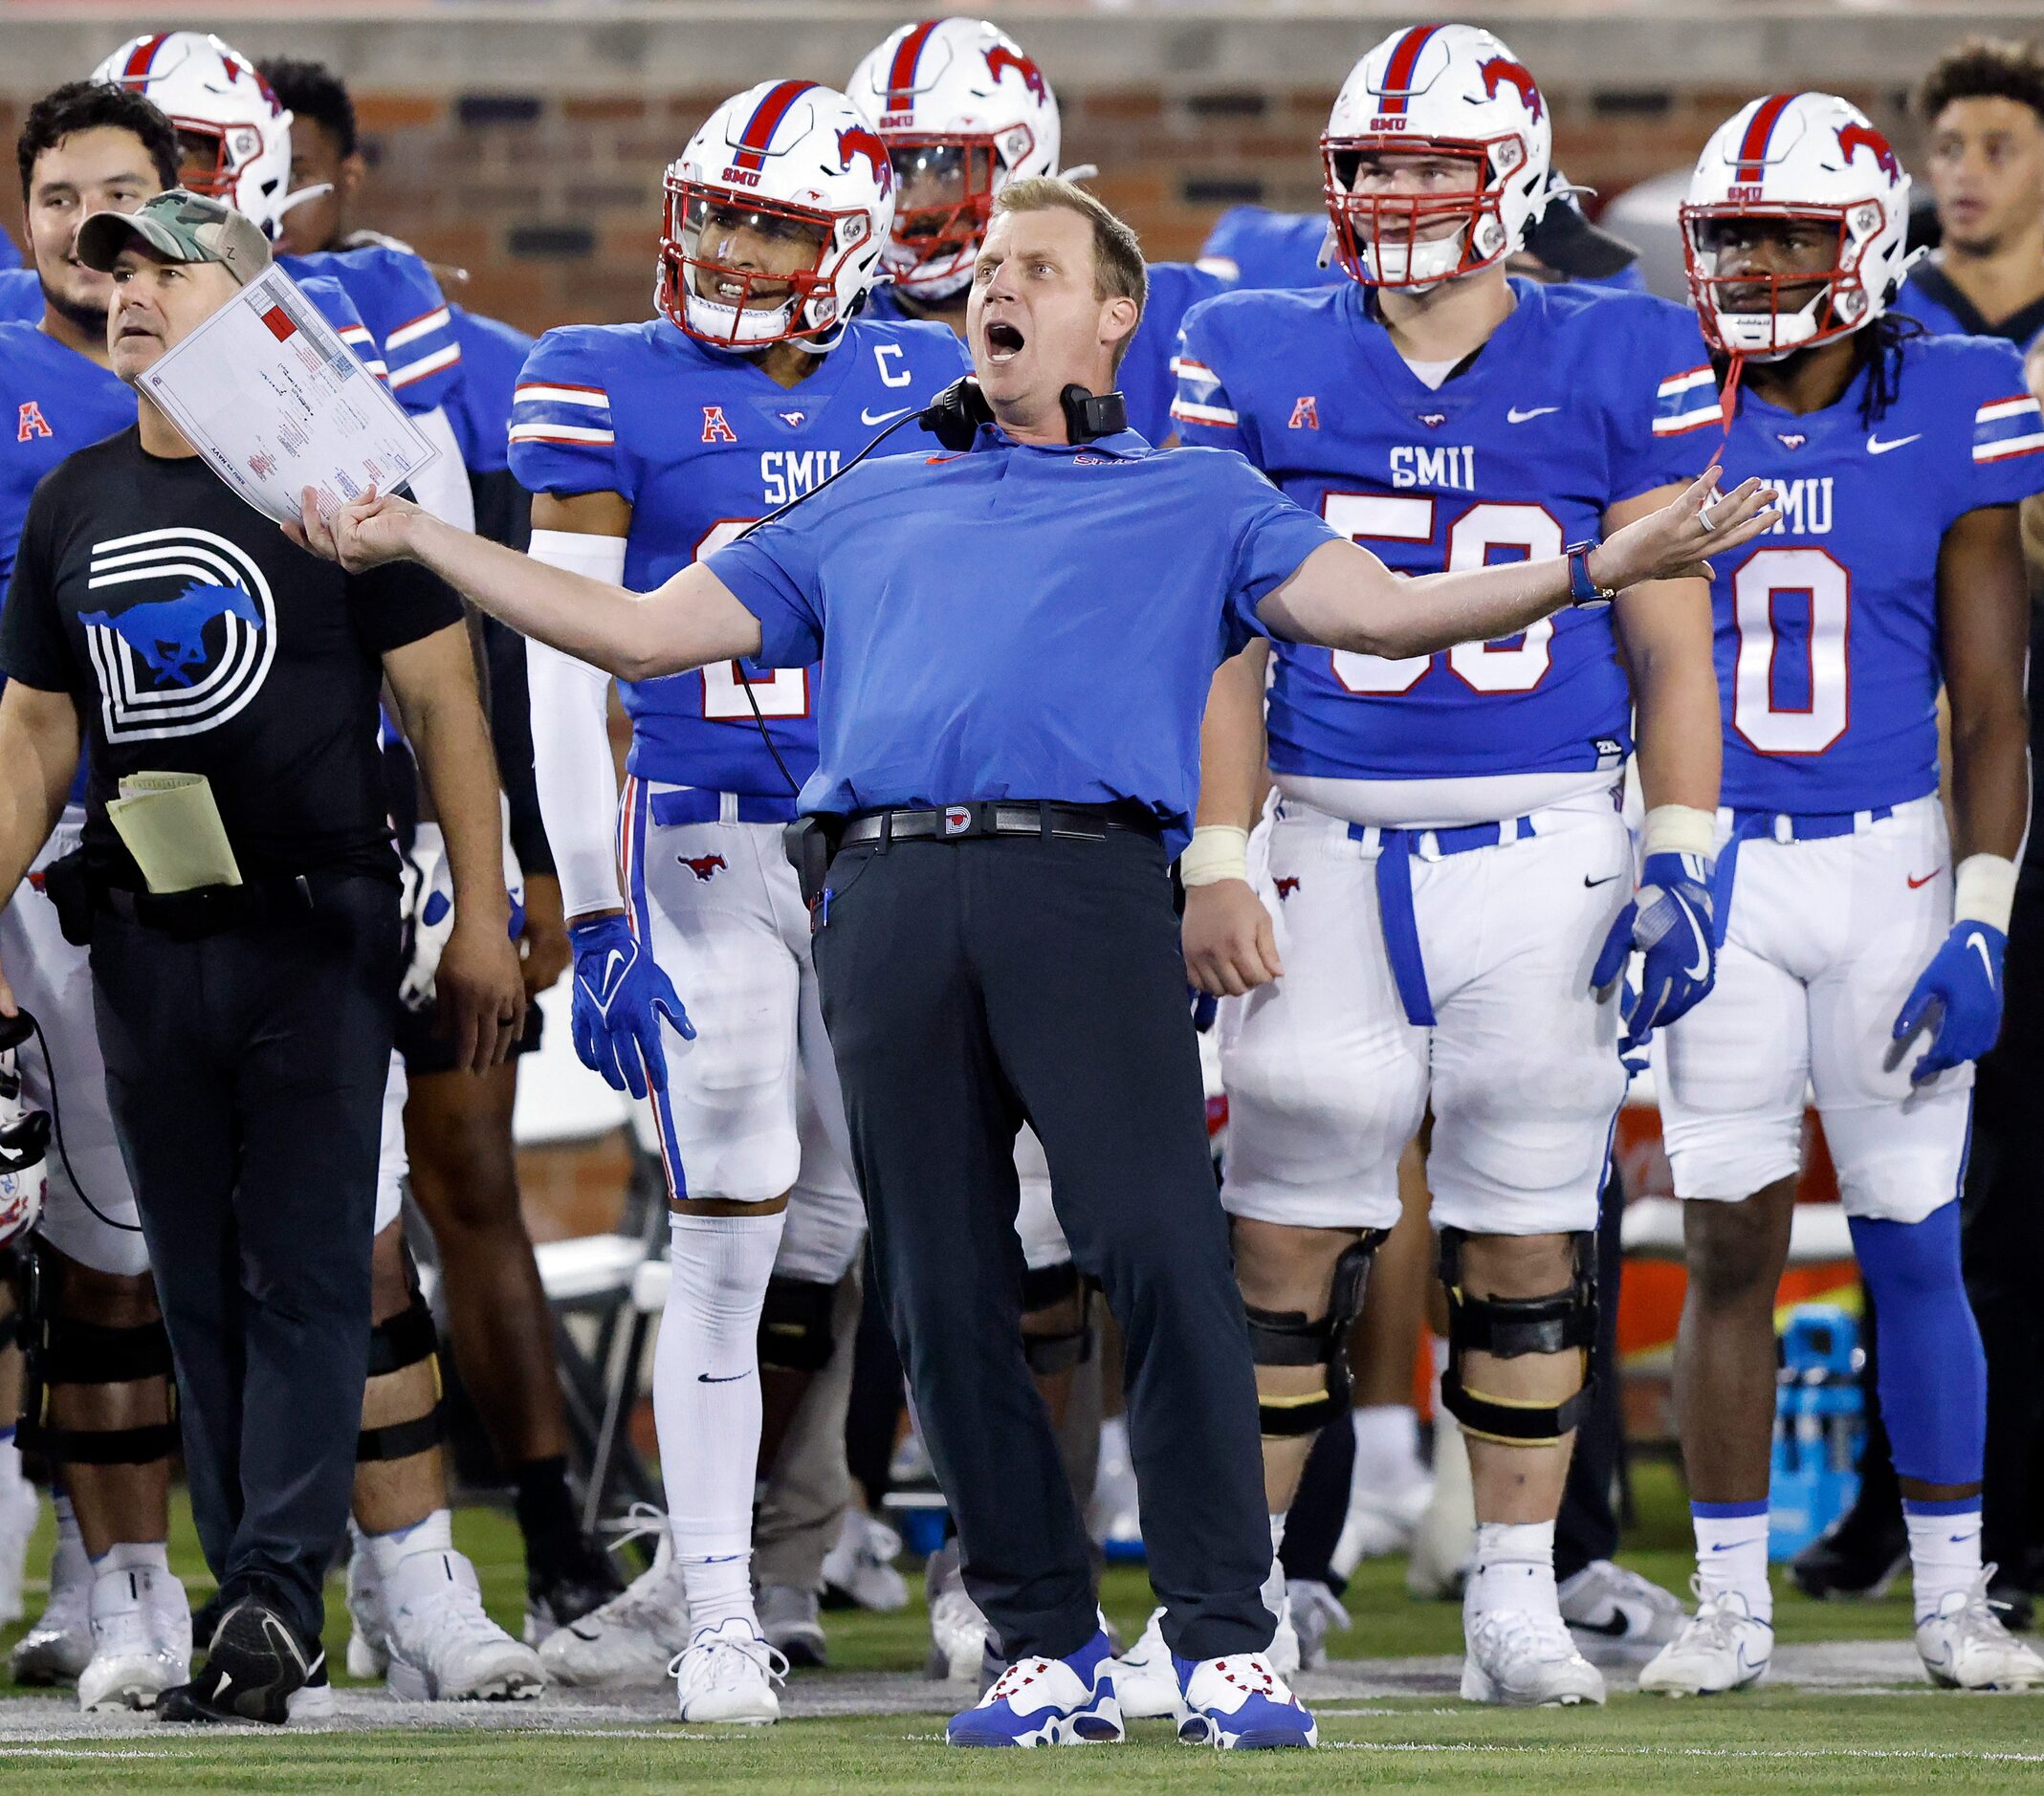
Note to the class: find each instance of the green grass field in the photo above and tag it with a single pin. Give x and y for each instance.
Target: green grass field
(1774, 1740)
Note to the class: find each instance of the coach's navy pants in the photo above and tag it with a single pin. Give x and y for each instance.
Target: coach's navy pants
(968, 985)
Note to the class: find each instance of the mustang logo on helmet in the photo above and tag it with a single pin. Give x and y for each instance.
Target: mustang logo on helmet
(1503, 69)
(858, 141)
(1000, 58)
(1854, 138)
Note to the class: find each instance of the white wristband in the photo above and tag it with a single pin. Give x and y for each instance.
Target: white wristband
(1681, 830)
(1217, 851)
(1985, 891)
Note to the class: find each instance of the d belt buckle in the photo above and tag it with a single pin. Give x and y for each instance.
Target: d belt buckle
(957, 819)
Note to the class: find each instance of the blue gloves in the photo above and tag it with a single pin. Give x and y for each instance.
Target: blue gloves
(1959, 998)
(1669, 922)
(620, 997)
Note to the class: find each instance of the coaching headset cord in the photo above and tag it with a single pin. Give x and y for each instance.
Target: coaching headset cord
(56, 1122)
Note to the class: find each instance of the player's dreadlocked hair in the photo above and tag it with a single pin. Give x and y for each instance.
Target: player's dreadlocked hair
(93, 106)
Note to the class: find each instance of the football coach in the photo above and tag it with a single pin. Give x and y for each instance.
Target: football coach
(1018, 641)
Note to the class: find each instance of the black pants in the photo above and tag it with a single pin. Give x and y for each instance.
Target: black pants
(246, 1075)
(968, 985)
(2003, 1223)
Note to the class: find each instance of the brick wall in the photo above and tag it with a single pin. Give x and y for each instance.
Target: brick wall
(551, 204)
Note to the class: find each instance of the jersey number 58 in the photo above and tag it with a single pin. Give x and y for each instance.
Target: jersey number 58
(1515, 666)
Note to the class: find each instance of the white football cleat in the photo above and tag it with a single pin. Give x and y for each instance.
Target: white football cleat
(1617, 1616)
(1443, 1546)
(20, 1509)
(1315, 1612)
(1723, 1646)
(1144, 1678)
(442, 1646)
(59, 1645)
(368, 1633)
(793, 1623)
(861, 1567)
(728, 1674)
(142, 1640)
(1525, 1659)
(629, 1642)
(1239, 1702)
(958, 1632)
(1966, 1646)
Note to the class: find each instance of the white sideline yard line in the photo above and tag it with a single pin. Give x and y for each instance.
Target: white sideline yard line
(1605, 1750)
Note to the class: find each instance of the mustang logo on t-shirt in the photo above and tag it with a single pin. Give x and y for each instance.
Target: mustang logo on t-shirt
(186, 635)
(168, 634)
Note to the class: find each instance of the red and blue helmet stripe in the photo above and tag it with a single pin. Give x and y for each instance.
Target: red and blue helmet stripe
(1405, 62)
(901, 72)
(758, 137)
(1753, 145)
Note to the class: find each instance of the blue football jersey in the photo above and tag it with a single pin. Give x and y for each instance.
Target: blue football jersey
(1253, 246)
(1145, 376)
(1827, 627)
(701, 444)
(492, 354)
(9, 256)
(400, 301)
(21, 296)
(1580, 398)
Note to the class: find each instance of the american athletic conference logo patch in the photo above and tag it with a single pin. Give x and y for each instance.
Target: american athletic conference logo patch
(184, 634)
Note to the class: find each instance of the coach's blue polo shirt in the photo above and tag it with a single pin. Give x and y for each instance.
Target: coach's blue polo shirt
(1018, 621)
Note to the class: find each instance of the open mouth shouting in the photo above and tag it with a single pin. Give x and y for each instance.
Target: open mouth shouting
(1004, 342)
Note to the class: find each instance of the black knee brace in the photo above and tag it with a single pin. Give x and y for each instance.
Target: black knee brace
(1057, 1351)
(407, 1339)
(62, 1351)
(1509, 1327)
(795, 1324)
(1288, 1337)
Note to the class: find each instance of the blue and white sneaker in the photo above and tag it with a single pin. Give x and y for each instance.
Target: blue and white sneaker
(1047, 1703)
(1239, 1702)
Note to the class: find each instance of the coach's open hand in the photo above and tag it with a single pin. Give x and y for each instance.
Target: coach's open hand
(1672, 542)
(372, 530)
(480, 992)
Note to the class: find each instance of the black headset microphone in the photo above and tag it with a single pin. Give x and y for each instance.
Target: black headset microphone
(953, 417)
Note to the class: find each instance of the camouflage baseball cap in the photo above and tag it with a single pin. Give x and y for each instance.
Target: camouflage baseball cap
(180, 226)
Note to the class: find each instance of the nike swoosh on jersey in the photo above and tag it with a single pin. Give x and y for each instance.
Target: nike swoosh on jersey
(1589, 884)
(730, 1378)
(1516, 416)
(1987, 960)
(1876, 446)
(1917, 884)
(886, 417)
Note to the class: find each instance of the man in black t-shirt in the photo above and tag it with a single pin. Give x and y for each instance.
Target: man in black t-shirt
(247, 1029)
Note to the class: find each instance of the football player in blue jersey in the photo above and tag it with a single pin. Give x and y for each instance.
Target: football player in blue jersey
(645, 447)
(1983, 105)
(1450, 883)
(963, 110)
(235, 138)
(457, 1124)
(1862, 945)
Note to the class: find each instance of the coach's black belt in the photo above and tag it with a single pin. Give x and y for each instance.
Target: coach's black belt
(209, 909)
(1001, 817)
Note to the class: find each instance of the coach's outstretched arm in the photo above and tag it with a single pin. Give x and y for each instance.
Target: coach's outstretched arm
(1343, 597)
(689, 621)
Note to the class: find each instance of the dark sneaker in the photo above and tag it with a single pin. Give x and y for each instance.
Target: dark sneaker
(256, 1667)
(1858, 1555)
(575, 1579)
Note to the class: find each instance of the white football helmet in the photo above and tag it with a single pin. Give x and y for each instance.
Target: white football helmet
(962, 106)
(1796, 155)
(214, 96)
(783, 163)
(1436, 90)
(24, 1142)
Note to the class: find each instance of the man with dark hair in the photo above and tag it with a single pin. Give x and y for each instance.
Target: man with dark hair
(464, 1170)
(1983, 106)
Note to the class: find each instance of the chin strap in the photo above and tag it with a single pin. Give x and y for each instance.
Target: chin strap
(1728, 399)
